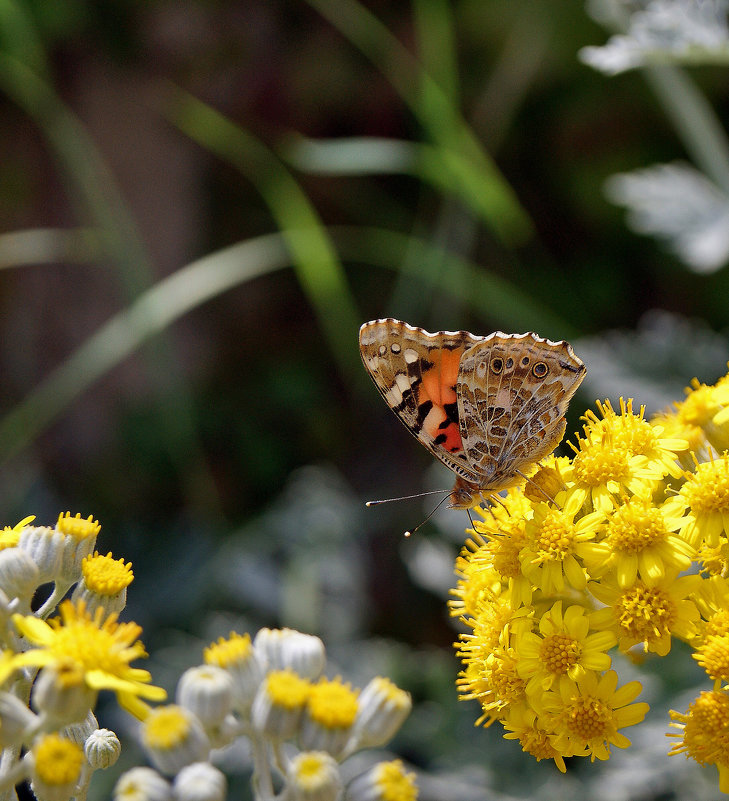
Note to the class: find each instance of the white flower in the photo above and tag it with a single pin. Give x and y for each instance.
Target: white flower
(678, 204)
(666, 32)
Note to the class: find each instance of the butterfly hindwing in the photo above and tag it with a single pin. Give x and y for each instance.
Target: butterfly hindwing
(416, 373)
(513, 393)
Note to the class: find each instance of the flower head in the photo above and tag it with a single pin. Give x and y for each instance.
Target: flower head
(563, 647)
(102, 648)
(647, 614)
(587, 714)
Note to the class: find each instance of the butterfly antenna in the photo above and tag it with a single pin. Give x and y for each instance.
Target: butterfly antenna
(407, 498)
(430, 514)
(534, 484)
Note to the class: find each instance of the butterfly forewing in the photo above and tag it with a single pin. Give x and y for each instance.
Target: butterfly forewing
(416, 373)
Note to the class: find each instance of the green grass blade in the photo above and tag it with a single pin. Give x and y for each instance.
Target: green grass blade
(315, 261)
(152, 312)
(497, 300)
(440, 119)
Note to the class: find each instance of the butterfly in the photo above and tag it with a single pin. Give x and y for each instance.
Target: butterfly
(487, 406)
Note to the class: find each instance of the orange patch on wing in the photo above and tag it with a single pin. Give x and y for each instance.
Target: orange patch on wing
(438, 386)
(439, 381)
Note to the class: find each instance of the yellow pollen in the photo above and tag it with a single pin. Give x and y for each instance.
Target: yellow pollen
(708, 489)
(588, 718)
(558, 652)
(705, 729)
(713, 656)
(57, 760)
(77, 527)
(536, 742)
(718, 623)
(597, 465)
(555, 537)
(166, 727)
(332, 704)
(645, 613)
(106, 576)
(394, 782)
(507, 685)
(224, 653)
(634, 527)
(287, 689)
(506, 560)
(312, 771)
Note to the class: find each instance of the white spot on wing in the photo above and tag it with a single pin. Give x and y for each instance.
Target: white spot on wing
(410, 355)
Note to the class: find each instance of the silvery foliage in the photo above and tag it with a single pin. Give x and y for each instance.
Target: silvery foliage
(680, 205)
(664, 32)
(675, 202)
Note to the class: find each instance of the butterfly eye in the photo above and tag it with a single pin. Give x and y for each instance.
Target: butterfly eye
(497, 365)
(540, 369)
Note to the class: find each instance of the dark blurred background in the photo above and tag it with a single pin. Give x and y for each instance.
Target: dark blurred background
(227, 447)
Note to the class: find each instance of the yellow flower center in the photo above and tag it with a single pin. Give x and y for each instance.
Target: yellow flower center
(718, 623)
(588, 718)
(77, 527)
(558, 652)
(394, 782)
(332, 704)
(109, 646)
(506, 559)
(706, 729)
(645, 613)
(166, 727)
(554, 538)
(236, 650)
(708, 489)
(596, 464)
(713, 656)
(287, 689)
(57, 760)
(506, 683)
(635, 526)
(106, 576)
(536, 742)
(313, 770)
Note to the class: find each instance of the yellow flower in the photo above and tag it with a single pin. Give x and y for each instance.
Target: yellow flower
(706, 495)
(102, 648)
(631, 432)
(490, 559)
(492, 679)
(521, 723)
(647, 614)
(638, 542)
(562, 647)
(704, 733)
(9, 537)
(701, 418)
(548, 560)
(586, 715)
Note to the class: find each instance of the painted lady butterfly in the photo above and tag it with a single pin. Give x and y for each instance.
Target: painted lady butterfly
(487, 407)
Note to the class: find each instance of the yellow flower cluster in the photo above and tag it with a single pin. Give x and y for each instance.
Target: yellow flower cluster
(625, 546)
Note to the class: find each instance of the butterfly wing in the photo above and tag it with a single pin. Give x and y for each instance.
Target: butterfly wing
(417, 373)
(513, 391)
